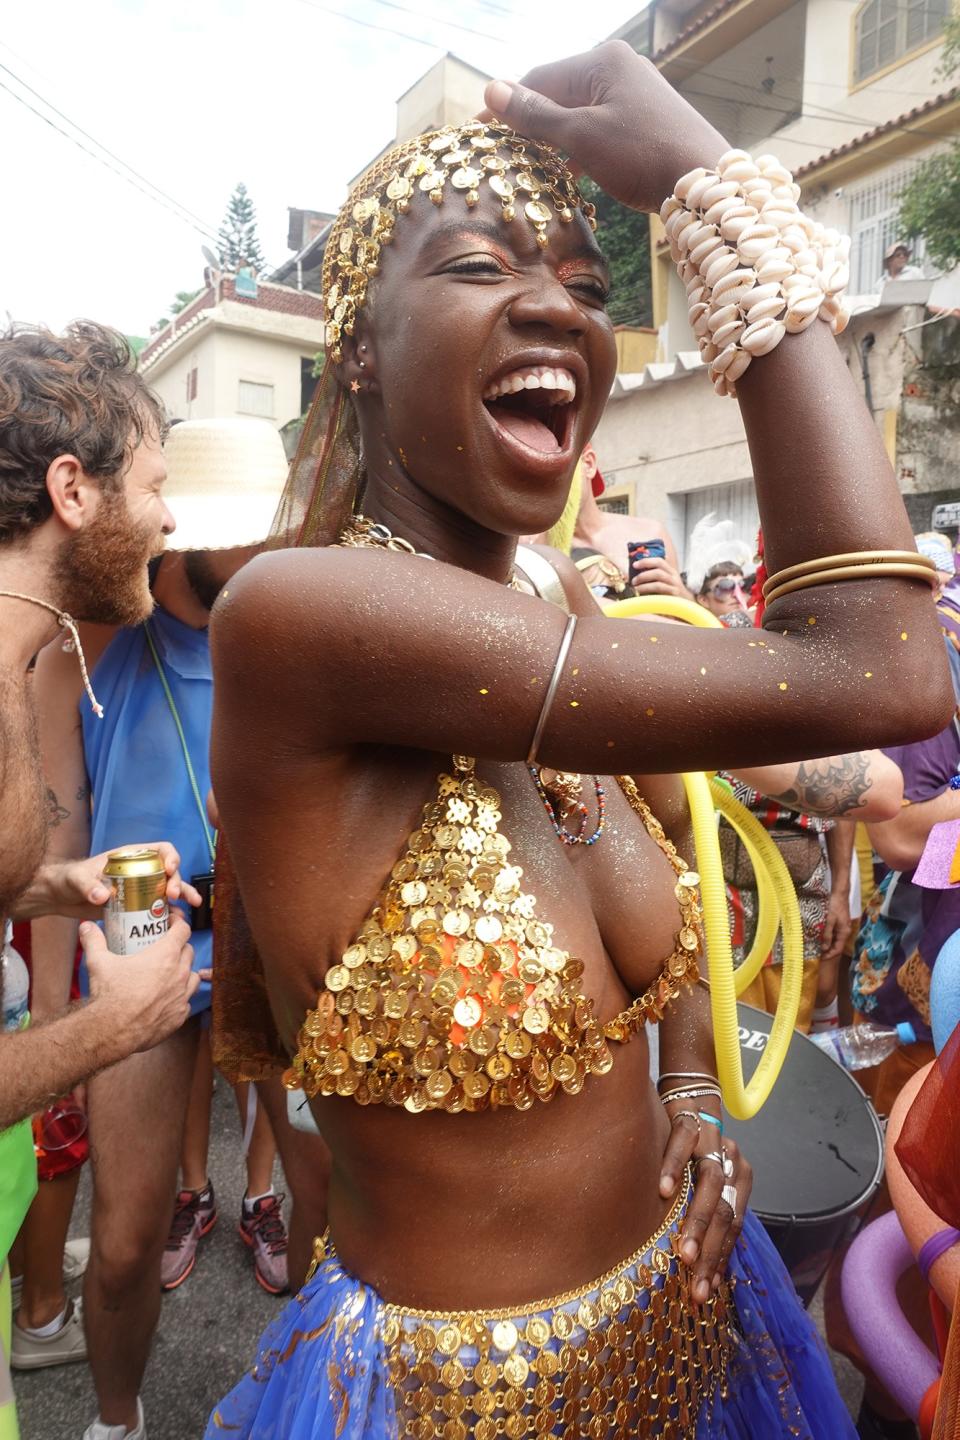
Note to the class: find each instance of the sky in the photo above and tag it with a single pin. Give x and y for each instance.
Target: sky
(195, 95)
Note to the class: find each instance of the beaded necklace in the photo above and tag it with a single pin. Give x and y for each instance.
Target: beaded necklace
(363, 533)
(566, 790)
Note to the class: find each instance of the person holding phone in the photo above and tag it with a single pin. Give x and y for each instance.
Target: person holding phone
(652, 569)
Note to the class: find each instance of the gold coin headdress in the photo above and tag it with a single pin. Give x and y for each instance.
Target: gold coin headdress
(529, 180)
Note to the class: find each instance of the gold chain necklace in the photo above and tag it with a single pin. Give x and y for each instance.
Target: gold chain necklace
(67, 622)
(362, 533)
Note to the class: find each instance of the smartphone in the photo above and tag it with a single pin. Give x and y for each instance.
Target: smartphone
(201, 918)
(645, 550)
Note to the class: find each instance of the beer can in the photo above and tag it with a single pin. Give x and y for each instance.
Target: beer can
(136, 913)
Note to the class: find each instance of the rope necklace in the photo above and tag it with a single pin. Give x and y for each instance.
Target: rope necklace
(67, 622)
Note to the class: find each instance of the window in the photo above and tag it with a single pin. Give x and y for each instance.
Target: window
(887, 30)
(736, 501)
(255, 399)
(875, 224)
(192, 385)
(308, 382)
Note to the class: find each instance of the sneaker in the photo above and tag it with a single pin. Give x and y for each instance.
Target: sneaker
(266, 1235)
(194, 1217)
(99, 1431)
(36, 1352)
(76, 1254)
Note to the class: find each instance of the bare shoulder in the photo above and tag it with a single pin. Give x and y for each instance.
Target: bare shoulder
(579, 598)
(282, 588)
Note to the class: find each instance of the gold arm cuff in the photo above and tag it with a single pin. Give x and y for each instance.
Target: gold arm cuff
(858, 558)
(854, 572)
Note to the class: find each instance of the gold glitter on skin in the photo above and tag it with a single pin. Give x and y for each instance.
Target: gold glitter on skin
(484, 692)
(868, 674)
(783, 685)
(651, 711)
(903, 634)
(574, 704)
(812, 620)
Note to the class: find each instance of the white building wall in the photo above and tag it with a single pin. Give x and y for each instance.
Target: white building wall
(267, 350)
(262, 361)
(170, 380)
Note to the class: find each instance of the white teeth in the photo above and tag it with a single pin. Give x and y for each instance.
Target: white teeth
(536, 377)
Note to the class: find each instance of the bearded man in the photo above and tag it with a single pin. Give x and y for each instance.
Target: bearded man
(81, 514)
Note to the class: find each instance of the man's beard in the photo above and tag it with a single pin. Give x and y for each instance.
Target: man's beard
(101, 572)
(203, 582)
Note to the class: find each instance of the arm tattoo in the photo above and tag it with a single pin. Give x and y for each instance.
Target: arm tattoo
(829, 787)
(56, 813)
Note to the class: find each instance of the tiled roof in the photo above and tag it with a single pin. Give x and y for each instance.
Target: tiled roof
(699, 24)
(898, 123)
(280, 299)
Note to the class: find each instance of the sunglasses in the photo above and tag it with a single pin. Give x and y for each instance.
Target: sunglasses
(725, 586)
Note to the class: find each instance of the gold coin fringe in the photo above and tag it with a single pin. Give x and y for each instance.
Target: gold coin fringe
(630, 1355)
(518, 171)
(453, 995)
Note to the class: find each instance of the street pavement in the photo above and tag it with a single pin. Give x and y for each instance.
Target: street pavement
(208, 1328)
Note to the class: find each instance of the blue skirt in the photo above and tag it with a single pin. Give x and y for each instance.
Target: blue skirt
(629, 1356)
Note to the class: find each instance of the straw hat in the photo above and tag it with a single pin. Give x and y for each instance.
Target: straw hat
(224, 481)
(891, 250)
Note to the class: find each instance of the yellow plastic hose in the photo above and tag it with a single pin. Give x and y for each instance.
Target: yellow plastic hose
(778, 905)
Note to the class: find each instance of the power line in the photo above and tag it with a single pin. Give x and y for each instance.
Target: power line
(451, 24)
(132, 178)
(370, 24)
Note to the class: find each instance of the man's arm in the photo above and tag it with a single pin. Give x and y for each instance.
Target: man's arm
(864, 785)
(899, 842)
(53, 939)
(837, 922)
(136, 1002)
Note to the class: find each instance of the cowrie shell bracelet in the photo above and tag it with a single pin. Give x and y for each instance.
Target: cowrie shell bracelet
(754, 266)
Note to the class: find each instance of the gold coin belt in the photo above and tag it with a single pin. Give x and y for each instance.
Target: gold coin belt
(630, 1355)
(453, 996)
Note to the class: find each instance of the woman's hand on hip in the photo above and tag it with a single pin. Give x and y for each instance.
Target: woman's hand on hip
(723, 1180)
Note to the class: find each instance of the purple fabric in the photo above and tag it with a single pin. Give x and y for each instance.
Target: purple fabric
(926, 917)
(932, 1249)
(933, 872)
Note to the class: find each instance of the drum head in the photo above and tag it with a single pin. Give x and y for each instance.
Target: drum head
(816, 1146)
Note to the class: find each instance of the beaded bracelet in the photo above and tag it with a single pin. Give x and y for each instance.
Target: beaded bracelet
(702, 1092)
(754, 266)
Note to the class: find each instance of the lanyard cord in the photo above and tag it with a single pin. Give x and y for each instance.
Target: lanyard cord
(208, 835)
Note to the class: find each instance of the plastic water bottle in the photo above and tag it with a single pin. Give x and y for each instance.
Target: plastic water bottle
(857, 1046)
(14, 987)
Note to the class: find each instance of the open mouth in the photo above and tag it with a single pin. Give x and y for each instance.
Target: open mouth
(534, 406)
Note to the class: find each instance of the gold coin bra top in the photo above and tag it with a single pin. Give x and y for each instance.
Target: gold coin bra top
(453, 995)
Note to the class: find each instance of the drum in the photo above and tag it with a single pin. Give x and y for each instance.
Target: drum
(816, 1149)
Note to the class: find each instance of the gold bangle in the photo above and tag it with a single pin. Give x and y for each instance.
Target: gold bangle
(865, 558)
(854, 572)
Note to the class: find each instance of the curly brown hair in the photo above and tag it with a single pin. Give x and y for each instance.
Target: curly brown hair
(76, 394)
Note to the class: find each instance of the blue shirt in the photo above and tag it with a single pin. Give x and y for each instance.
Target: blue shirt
(138, 775)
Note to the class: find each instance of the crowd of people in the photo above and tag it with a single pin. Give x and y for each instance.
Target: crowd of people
(434, 907)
